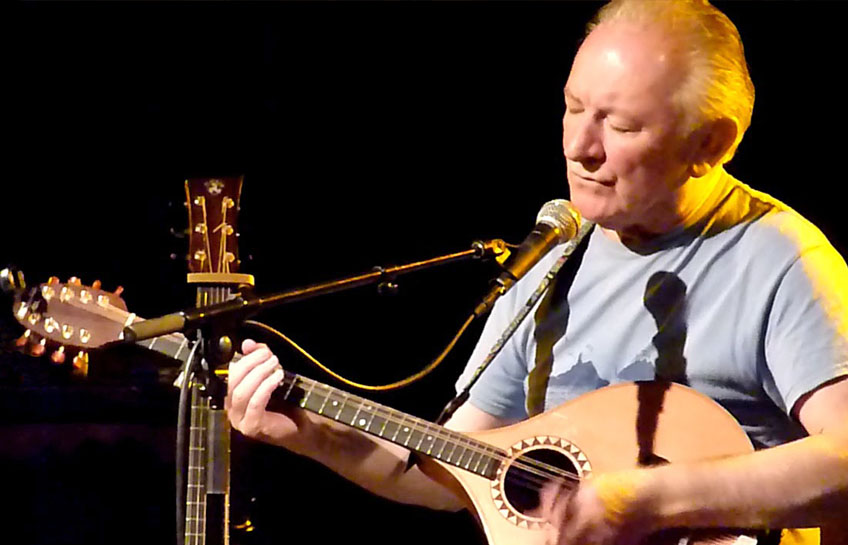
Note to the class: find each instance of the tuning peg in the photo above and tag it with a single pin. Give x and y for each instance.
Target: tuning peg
(12, 280)
(96, 284)
(119, 290)
(80, 367)
(38, 348)
(74, 281)
(58, 356)
(22, 341)
(53, 280)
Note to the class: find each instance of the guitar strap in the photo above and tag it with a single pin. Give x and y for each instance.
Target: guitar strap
(568, 250)
(551, 319)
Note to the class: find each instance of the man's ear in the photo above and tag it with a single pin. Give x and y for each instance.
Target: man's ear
(711, 142)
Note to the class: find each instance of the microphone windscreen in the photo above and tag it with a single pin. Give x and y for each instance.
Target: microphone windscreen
(561, 214)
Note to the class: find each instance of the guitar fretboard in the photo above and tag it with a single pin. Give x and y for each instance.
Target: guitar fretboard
(174, 346)
(378, 420)
(402, 429)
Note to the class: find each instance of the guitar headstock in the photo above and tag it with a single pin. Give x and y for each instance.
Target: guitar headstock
(69, 318)
(213, 205)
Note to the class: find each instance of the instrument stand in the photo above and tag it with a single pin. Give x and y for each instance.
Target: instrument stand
(209, 446)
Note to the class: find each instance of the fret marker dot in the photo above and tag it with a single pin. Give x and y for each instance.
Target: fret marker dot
(335, 403)
(429, 437)
(362, 421)
(405, 430)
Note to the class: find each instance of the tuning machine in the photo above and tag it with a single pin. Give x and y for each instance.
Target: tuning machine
(80, 364)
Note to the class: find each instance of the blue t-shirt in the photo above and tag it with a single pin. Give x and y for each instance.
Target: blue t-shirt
(749, 306)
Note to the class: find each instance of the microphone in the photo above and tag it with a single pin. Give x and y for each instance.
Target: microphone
(557, 222)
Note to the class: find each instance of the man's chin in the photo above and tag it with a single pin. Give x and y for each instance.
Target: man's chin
(590, 211)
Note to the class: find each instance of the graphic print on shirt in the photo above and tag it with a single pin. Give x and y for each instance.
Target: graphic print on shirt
(664, 299)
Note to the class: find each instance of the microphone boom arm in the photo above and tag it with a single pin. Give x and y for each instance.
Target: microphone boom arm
(243, 307)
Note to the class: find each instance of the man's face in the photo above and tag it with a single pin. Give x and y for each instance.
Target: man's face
(626, 154)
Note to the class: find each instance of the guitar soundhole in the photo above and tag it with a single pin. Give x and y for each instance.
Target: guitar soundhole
(531, 472)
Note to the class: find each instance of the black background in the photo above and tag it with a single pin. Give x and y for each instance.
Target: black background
(368, 134)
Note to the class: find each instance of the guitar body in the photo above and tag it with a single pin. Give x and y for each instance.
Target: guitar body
(605, 430)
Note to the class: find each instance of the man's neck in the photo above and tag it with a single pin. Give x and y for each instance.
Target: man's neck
(694, 201)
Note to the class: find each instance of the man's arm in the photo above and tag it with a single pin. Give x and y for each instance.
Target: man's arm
(800, 484)
(374, 464)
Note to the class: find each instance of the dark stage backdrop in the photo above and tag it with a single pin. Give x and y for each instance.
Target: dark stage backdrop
(368, 134)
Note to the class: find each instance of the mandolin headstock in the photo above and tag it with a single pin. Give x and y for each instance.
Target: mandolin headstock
(68, 319)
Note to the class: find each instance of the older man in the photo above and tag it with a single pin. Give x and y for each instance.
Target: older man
(690, 276)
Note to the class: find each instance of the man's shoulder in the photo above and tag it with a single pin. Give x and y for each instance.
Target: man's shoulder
(768, 225)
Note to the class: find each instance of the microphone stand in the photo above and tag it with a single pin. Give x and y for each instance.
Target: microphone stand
(247, 304)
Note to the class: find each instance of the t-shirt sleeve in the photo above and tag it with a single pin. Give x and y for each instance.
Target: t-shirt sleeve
(500, 388)
(806, 341)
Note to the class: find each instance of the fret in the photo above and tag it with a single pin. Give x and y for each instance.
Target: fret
(462, 452)
(432, 436)
(485, 471)
(356, 414)
(470, 452)
(316, 397)
(291, 386)
(308, 393)
(425, 436)
(345, 397)
(379, 421)
(383, 428)
(409, 431)
(434, 445)
(335, 402)
(471, 459)
(152, 342)
(477, 465)
(180, 348)
(346, 411)
(373, 415)
(453, 449)
(326, 399)
(399, 427)
(442, 450)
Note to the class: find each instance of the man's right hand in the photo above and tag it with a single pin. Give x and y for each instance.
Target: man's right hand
(251, 382)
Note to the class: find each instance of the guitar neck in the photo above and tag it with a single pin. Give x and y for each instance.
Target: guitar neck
(378, 420)
(408, 431)
(175, 346)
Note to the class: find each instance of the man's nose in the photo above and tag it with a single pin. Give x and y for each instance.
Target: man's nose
(582, 140)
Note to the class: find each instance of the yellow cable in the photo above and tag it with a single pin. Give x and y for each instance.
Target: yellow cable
(392, 386)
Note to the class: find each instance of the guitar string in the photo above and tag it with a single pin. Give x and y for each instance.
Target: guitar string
(546, 471)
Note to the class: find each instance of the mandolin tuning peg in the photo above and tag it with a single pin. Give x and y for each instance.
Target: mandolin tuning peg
(53, 280)
(58, 356)
(74, 281)
(38, 348)
(22, 341)
(12, 280)
(96, 284)
(119, 290)
(80, 367)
